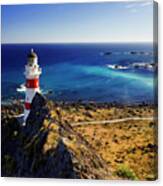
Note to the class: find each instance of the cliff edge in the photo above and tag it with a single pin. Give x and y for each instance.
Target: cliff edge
(47, 147)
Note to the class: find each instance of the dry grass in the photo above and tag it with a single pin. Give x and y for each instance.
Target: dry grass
(131, 144)
(129, 147)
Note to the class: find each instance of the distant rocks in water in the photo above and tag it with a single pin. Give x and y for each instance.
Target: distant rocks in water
(141, 65)
(140, 53)
(133, 52)
(149, 66)
(108, 53)
(50, 92)
(117, 67)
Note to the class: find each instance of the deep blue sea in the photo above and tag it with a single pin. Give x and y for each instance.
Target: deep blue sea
(80, 71)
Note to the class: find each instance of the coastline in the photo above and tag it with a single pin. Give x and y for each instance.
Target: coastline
(120, 144)
(20, 100)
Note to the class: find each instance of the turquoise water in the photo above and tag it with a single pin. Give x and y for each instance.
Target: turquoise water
(80, 71)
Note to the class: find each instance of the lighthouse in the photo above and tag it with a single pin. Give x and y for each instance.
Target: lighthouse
(32, 73)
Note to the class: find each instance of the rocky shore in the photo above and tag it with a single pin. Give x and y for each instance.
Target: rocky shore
(49, 145)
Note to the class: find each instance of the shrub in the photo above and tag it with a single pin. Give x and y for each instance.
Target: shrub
(126, 173)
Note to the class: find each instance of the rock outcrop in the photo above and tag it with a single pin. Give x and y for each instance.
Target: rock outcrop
(47, 147)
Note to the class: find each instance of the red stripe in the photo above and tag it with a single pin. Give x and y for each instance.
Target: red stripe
(32, 83)
(27, 106)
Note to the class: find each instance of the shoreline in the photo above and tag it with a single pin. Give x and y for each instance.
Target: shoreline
(84, 112)
(9, 102)
(120, 144)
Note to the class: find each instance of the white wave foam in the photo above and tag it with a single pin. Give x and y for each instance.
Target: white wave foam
(22, 88)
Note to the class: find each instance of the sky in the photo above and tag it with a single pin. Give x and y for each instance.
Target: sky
(80, 22)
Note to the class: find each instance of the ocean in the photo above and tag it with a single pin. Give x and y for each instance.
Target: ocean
(102, 72)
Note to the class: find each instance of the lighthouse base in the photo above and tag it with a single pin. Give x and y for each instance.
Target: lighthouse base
(26, 113)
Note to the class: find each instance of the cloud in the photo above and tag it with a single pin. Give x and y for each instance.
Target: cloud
(148, 3)
(134, 7)
(131, 5)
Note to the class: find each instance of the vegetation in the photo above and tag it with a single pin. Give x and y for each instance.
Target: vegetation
(127, 149)
(125, 172)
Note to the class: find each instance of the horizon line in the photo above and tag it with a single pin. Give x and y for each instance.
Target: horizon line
(92, 42)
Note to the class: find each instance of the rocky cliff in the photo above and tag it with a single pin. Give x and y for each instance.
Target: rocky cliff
(47, 147)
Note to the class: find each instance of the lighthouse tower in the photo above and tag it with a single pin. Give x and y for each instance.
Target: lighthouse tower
(32, 73)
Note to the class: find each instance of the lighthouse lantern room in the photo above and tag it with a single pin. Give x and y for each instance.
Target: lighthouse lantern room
(32, 73)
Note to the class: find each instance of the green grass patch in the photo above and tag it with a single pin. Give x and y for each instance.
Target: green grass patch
(125, 172)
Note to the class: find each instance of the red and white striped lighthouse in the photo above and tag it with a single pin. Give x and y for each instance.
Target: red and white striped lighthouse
(32, 73)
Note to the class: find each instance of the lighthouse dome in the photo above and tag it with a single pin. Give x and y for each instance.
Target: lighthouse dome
(32, 54)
